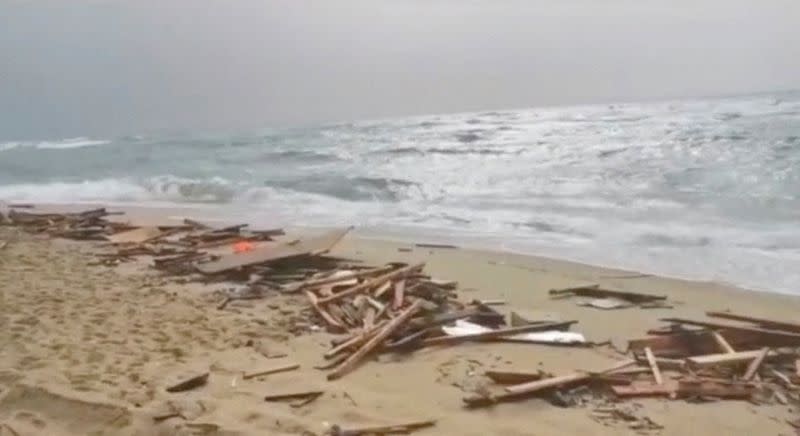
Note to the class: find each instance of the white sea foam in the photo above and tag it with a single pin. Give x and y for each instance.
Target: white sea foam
(54, 145)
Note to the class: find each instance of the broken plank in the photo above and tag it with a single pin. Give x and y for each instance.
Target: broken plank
(369, 284)
(382, 429)
(192, 383)
(138, 236)
(275, 370)
(376, 340)
(399, 294)
(315, 283)
(723, 344)
(645, 390)
(312, 247)
(752, 369)
(712, 388)
(765, 323)
(723, 358)
(651, 360)
(293, 395)
(789, 338)
(513, 377)
(428, 245)
(597, 292)
(496, 334)
(552, 382)
(332, 322)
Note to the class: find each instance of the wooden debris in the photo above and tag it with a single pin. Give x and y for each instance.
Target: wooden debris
(136, 236)
(382, 429)
(513, 377)
(376, 340)
(723, 358)
(596, 292)
(784, 337)
(714, 388)
(275, 370)
(369, 284)
(192, 383)
(547, 383)
(496, 334)
(764, 323)
(723, 344)
(426, 245)
(300, 395)
(399, 294)
(645, 390)
(752, 369)
(313, 246)
(651, 360)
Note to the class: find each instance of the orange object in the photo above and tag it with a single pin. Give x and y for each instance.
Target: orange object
(242, 247)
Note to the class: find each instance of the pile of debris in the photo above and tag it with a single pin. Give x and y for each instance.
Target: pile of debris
(689, 360)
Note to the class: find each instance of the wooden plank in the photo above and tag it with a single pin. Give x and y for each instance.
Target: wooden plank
(723, 344)
(713, 388)
(752, 369)
(316, 283)
(645, 390)
(597, 292)
(495, 334)
(313, 246)
(723, 358)
(140, 235)
(369, 284)
(790, 338)
(766, 323)
(552, 382)
(382, 429)
(399, 294)
(194, 382)
(376, 340)
(513, 377)
(332, 322)
(275, 370)
(292, 395)
(651, 360)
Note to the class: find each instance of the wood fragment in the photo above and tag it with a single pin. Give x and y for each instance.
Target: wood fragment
(369, 284)
(293, 395)
(166, 416)
(552, 382)
(382, 429)
(399, 294)
(723, 344)
(376, 340)
(315, 283)
(723, 358)
(711, 388)
(427, 245)
(596, 292)
(752, 369)
(651, 360)
(645, 390)
(495, 334)
(765, 323)
(382, 289)
(332, 322)
(785, 381)
(275, 370)
(786, 337)
(303, 401)
(192, 383)
(513, 377)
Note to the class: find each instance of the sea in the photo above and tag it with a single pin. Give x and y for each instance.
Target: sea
(705, 189)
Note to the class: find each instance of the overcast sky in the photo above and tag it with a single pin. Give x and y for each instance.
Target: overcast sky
(80, 67)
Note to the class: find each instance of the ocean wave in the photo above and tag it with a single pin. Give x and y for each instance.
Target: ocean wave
(359, 188)
(62, 144)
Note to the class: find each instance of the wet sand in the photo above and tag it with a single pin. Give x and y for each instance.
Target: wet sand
(90, 350)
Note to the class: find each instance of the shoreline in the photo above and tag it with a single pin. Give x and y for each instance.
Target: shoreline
(171, 213)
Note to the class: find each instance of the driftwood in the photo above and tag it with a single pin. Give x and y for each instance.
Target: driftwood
(651, 360)
(765, 323)
(293, 395)
(373, 343)
(752, 369)
(369, 284)
(381, 429)
(271, 371)
(192, 383)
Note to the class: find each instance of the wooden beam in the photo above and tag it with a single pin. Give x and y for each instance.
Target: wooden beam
(382, 429)
(752, 369)
(315, 283)
(399, 294)
(539, 385)
(376, 340)
(651, 359)
(645, 390)
(766, 323)
(309, 247)
(713, 388)
(333, 322)
(723, 358)
(495, 334)
(275, 370)
(597, 292)
(723, 344)
(513, 377)
(790, 338)
(369, 284)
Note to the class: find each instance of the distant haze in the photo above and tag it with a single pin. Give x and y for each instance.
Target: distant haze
(70, 68)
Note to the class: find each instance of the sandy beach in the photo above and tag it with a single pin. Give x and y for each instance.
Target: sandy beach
(89, 349)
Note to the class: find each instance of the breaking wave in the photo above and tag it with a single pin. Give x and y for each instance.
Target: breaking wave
(54, 145)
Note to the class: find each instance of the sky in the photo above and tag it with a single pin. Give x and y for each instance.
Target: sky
(106, 67)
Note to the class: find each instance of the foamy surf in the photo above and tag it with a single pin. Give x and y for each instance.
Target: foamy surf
(703, 189)
(54, 145)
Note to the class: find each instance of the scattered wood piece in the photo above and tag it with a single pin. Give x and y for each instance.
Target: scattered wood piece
(332, 322)
(336, 278)
(765, 323)
(166, 416)
(513, 377)
(786, 337)
(752, 369)
(495, 334)
(293, 395)
(192, 383)
(785, 381)
(723, 358)
(264, 255)
(303, 401)
(399, 294)
(596, 292)
(723, 344)
(382, 429)
(275, 370)
(428, 245)
(714, 388)
(369, 284)
(651, 360)
(136, 236)
(552, 382)
(376, 340)
(645, 390)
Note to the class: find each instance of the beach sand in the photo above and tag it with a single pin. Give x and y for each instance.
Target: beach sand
(89, 350)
